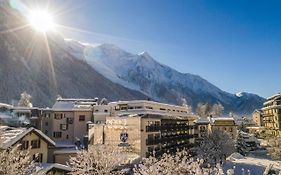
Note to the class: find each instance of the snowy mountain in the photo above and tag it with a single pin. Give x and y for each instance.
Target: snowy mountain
(27, 65)
(73, 69)
(143, 73)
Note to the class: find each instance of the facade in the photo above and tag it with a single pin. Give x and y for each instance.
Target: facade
(39, 145)
(205, 126)
(272, 115)
(258, 118)
(31, 138)
(146, 127)
(226, 124)
(67, 121)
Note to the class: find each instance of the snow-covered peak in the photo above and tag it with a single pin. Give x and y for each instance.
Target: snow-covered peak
(145, 54)
(239, 94)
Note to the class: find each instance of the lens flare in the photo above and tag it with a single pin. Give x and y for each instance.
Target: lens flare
(41, 20)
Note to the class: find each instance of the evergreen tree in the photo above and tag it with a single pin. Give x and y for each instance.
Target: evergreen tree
(240, 144)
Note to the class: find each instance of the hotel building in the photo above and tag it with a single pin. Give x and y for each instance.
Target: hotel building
(146, 127)
(272, 115)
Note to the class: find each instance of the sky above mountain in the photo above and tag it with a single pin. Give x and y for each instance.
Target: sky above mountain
(233, 44)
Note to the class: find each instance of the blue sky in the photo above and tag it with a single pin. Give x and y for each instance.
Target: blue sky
(236, 45)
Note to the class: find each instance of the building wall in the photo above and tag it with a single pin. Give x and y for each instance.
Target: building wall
(80, 127)
(43, 146)
(115, 126)
(63, 158)
(226, 126)
(257, 118)
(66, 126)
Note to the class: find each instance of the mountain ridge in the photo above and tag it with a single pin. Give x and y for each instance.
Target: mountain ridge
(143, 73)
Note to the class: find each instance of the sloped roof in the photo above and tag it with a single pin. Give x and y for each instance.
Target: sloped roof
(10, 136)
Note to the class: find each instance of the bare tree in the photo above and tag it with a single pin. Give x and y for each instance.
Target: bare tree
(203, 110)
(98, 160)
(215, 147)
(25, 100)
(217, 109)
(177, 164)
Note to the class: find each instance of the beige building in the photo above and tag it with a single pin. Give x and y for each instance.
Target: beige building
(146, 127)
(207, 125)
(27, 138)
(67, 121)
(226, 124)
(272, 115)
(37, 143)
(257, 117)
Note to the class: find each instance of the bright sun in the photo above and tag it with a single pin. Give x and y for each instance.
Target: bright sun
(41, 20)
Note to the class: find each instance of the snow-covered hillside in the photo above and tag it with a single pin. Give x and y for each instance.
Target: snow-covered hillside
(143, 73)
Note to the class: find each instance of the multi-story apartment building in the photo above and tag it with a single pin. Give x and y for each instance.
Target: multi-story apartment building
(226, 124)
(205, 126)
(67, 121)
(147, 127)
(257, 117)
(272, 115)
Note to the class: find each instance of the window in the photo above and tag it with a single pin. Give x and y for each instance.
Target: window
(69, 120)
(81, 117)
(105, 110)
(148, 107)
(57, 135)
(24, 144)
(67, 136)
(162, 109)
(38, 157)
(58, 116)
(35, 144)
(46, 123)
(63, 127)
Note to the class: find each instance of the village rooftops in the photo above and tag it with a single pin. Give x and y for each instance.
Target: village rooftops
(10, 136)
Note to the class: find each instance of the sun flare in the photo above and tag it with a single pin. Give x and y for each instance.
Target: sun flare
(41, 20)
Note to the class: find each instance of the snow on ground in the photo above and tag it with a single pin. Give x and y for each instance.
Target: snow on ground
(249, 164)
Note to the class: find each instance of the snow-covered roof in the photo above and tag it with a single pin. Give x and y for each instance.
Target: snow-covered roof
(145, 101)
(216, 119)
(46, 167)
(5, 105)
(202, 121)
(72, 150)
(10, 136)
(74, 104)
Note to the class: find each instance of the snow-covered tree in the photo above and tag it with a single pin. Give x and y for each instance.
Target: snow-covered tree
(15, 161)
(104, 101)
(274, 148)
(25, 100)
(97, 160)
(186, 105)
(203, 110)
(240, 144)
(177, 164)
(215, 147)
(217, 109)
